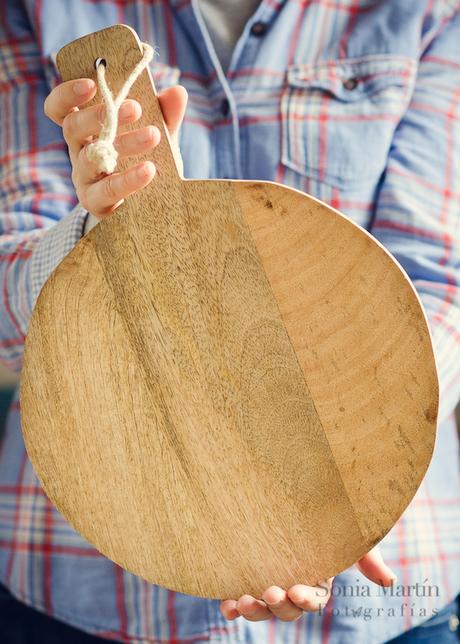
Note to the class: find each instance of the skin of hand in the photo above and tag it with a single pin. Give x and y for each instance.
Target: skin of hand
(101, 194)
(289, 605)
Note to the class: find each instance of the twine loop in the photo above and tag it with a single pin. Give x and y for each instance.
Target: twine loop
(102, 152)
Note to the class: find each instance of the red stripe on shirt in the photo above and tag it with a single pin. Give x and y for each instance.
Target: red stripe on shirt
(120, 598)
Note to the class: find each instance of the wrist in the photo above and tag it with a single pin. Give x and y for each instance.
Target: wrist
(90, 222)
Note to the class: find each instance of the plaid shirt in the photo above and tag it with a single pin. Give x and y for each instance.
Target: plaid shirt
(353, 101)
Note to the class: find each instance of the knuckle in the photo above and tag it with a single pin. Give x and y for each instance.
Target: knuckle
(110, 188)
(127, 180)
(69, 126)
(83, 158)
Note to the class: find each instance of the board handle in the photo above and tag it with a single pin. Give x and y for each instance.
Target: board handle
(121, 49)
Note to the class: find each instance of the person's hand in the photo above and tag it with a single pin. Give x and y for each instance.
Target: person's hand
(98, 193)
(289, 605)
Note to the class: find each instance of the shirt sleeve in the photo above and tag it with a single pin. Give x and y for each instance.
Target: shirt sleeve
(91, 221)
(418, 207)
(40, 220)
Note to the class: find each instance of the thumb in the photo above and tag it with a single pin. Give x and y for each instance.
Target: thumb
(173, 102)
(375, 569)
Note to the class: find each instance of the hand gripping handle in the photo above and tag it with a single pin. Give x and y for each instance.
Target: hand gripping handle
(121, 49)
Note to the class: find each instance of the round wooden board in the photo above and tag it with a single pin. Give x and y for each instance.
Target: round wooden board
(228, 385)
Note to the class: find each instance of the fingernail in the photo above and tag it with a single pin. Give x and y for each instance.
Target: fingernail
(145, 135)
(248, 612)
(272, 603)
(144, 171)
(127, 110)
(82, 87)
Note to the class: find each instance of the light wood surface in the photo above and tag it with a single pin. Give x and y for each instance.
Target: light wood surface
(226, 384)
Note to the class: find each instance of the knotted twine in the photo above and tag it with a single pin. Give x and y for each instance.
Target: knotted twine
(102, 152)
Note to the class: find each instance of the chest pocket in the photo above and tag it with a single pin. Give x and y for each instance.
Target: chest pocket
(338, 117)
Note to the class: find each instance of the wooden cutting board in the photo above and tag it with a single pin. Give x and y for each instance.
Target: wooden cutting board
(226, 384)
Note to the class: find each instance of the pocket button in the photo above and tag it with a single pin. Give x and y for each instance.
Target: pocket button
(259, 29)
(350, 83)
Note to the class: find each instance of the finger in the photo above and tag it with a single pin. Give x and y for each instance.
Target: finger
(100, 197)
(137, 141)
(280, 605)
(311, 598)
(79, 126)
(67, 96)
(127, 144)
(253, 609)
(228, 609)
(173, 102)
(375, 569)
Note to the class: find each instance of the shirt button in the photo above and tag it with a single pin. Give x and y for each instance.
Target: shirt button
(350, 83)
(259, 28)
(225, 107)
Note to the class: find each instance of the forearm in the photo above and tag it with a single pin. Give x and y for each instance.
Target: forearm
(39, 223)
(26, 261)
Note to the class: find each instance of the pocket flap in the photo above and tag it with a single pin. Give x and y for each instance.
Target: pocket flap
(329, 108)
(350, 79)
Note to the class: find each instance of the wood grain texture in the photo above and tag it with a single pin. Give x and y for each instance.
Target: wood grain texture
(226, 384)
